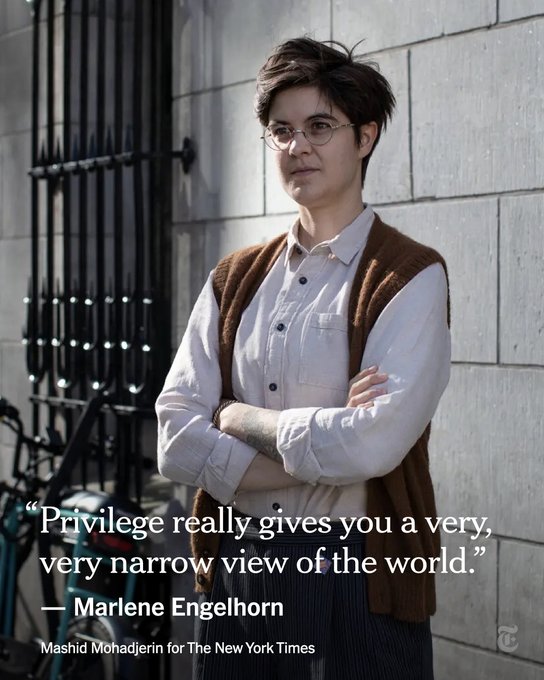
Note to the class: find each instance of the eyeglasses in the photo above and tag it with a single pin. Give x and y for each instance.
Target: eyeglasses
(317, 132)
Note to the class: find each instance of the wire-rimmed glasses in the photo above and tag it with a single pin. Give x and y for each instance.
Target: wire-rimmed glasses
(317, 132)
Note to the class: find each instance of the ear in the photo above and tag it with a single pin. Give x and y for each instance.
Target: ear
(368, 134)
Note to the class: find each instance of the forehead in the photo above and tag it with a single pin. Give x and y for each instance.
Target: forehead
(297, 104)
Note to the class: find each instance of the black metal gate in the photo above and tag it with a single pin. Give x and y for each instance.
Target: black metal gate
(97, 302)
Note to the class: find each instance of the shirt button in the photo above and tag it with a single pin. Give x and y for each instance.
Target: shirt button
(275, 506)
(280, 327)
(272, 387)
(303, 280)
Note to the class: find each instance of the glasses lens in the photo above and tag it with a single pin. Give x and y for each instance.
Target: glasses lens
(318, 132)
(278, 137)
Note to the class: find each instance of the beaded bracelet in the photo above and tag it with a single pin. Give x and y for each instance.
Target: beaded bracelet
(223, 405)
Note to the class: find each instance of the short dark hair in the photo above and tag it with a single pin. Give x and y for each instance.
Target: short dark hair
(355, 86)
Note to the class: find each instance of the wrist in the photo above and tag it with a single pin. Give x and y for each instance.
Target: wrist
(218, 418)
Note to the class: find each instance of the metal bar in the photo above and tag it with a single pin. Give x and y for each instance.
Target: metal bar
(82, 254)
(162, 317)
(138, 457)
(107, 161)
(101, 469)
(154, 109)
(65, 369)
(134, 353)
(98, 373)
(144, 341)
(123, 452)
(118, 267)
(47, 330)
(119, 409)
(32, 312)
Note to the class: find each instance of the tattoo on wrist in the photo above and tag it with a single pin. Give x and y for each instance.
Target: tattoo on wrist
(261, 434)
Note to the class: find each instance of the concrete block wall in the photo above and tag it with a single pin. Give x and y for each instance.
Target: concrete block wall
(462, 169)
(15, 159)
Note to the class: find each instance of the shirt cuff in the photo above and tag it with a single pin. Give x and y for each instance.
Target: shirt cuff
(294, 442)
(224, 469)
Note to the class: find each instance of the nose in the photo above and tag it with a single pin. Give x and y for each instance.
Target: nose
(299, 144)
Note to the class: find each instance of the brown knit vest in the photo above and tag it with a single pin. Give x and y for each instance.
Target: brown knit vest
(389, 261)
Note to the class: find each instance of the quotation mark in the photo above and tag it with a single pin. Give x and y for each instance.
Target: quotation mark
(31, 505)
(506, 640)
(479, 550)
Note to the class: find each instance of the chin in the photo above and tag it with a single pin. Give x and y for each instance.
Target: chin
(303, 197)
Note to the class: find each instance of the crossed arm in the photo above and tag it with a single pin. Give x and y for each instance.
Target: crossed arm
(258, 428)
(333, 445)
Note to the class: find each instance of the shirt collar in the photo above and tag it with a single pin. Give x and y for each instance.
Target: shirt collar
(344, 245)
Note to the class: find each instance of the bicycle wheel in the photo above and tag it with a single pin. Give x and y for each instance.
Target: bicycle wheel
(91, 665)
(18, 660)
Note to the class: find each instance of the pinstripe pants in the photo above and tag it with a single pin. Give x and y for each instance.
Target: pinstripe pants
(327, 612)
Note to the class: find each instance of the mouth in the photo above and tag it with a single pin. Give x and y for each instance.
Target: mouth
(301, 172)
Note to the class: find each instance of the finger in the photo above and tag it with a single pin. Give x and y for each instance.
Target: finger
(363, 374)
(370, 404)
(369, 394)
(370, 380)
(368, 370)
(367, 382)
(364, 397)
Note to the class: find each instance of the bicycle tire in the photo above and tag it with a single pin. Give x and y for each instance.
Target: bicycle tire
(91, 665)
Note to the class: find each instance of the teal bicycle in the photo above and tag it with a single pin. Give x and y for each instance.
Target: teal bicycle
(78, 647)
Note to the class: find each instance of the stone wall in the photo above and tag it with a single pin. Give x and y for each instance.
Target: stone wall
(462, 169)
(15, 160)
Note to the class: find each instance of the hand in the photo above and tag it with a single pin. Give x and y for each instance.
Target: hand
(362, 390)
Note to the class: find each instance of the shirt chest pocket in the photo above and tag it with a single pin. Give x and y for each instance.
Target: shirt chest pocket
(324, 352)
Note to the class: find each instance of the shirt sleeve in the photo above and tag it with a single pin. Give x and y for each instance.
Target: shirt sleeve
(410, 341)
(190, 449)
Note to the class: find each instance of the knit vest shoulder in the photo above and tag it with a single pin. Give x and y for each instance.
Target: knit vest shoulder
(389, 261)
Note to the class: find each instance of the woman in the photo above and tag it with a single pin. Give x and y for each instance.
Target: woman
(304, 387)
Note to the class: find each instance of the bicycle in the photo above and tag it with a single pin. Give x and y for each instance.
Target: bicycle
(75, 644)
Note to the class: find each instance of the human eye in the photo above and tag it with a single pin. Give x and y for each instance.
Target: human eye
(317, 126)
(318, 130)
(280, 133)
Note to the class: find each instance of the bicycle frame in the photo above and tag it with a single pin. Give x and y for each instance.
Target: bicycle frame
(20, 510)
(8, 578)
(8, 568)
(73, 590)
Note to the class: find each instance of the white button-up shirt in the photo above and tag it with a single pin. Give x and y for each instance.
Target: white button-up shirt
(291, 355)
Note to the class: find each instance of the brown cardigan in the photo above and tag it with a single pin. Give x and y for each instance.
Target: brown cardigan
(389, 261)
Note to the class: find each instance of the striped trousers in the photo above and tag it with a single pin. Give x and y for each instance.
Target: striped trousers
(326, 631)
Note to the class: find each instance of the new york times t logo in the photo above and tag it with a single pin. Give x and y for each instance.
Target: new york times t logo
(506, 640)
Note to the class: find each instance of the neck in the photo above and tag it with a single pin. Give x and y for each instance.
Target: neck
(323, 224)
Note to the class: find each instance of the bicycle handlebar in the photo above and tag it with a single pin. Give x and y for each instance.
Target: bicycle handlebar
(8, 410)
(10, 415)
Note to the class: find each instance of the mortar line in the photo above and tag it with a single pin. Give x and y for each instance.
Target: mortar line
(498, 350)
(497, 598)
(491, 652)
(469, 31)
(490, 364)
(265, 207)
(410, 128)
(213, 88)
